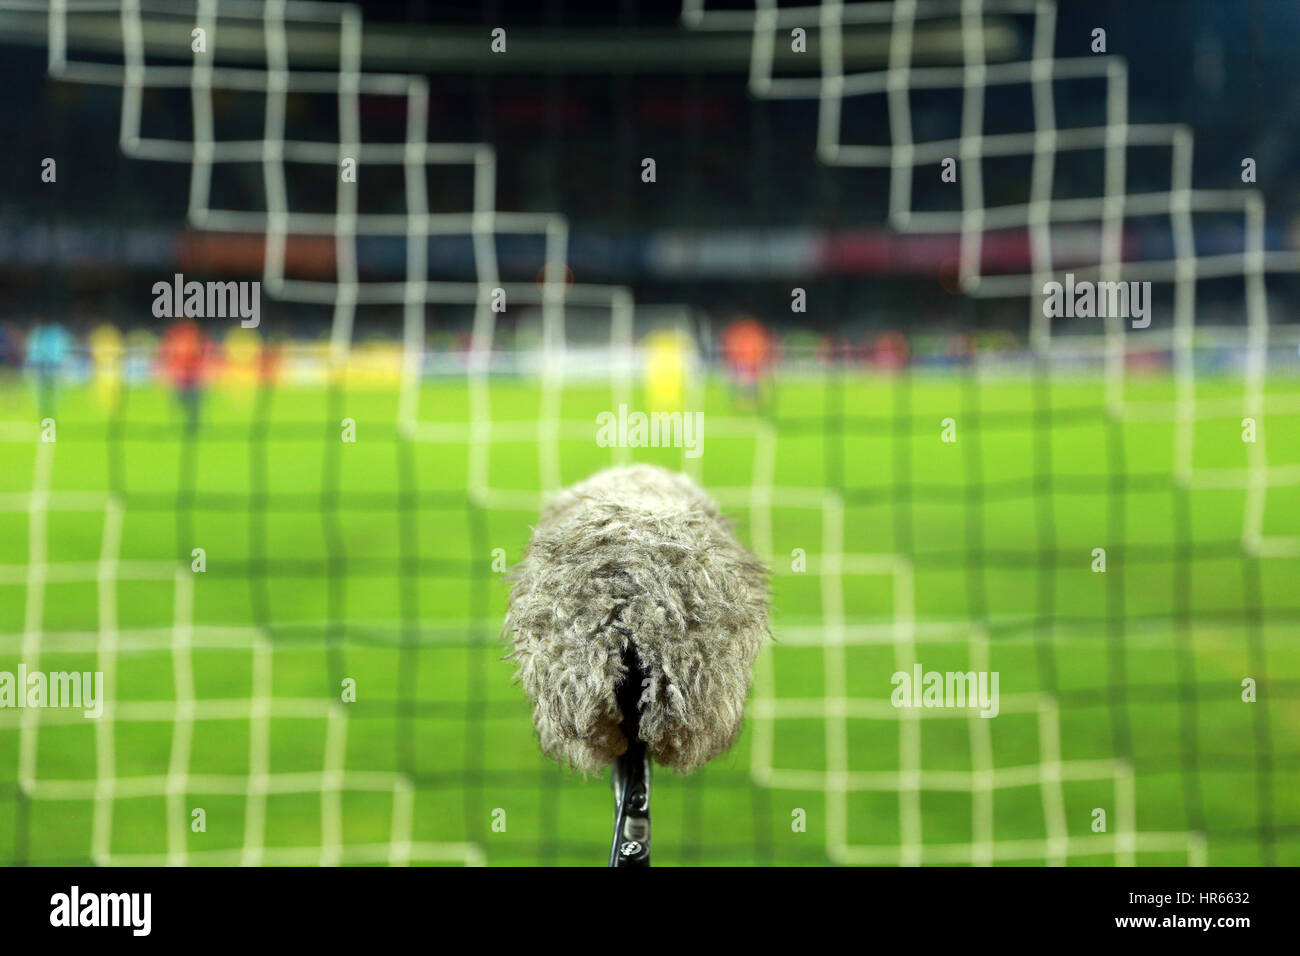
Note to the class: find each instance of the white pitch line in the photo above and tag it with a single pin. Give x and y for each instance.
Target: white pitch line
(259, 780)
(1049, 779)
(834, 665)
(178, 817)
(399, 841)
(101, 841)
(468, 854)
(33, 618)
(981, 749)
(331, 796)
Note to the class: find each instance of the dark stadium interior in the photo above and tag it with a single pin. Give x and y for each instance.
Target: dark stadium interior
(569, 139)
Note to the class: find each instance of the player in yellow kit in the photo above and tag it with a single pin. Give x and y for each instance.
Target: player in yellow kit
(668, 357)
(107, 352)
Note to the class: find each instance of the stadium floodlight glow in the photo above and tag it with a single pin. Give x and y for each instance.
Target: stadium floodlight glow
(635, 620)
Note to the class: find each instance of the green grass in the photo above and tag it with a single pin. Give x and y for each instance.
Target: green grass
(371, 561)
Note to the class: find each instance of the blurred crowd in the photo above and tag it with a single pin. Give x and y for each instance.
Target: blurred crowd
(186, 354)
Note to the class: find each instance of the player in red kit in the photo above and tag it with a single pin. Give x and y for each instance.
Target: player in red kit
(748, 350)
(182, 359)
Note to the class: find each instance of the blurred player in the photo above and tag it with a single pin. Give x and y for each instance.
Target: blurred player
(106, 353)
(13, 348)
(667, 363)
(140, 356)
(748, 351)
(181, 357)
(49, 346)
(12, 345)
(889, 351)
(270, 362)
(243, 353)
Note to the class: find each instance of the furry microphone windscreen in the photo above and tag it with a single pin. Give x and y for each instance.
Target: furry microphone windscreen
(636, 557)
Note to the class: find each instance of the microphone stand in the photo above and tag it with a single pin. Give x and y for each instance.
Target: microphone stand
(630, 777)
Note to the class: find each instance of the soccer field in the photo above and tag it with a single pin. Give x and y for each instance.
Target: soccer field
(327, 561)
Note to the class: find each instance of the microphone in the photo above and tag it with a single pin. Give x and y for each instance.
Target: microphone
(635, 618)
